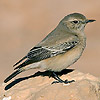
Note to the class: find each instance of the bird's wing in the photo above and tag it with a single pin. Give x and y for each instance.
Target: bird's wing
(39, 53)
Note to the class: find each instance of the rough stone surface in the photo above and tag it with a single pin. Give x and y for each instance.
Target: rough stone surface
(85, 87)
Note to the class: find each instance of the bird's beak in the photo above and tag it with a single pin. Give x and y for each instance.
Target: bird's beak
(90, 20)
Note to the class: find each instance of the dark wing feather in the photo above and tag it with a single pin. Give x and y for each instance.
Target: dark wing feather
(20, 61)
(37, 54)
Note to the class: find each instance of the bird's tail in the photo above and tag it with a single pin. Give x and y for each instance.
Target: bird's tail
(13, 75)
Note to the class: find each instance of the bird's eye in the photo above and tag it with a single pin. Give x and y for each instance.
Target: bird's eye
(75, 21)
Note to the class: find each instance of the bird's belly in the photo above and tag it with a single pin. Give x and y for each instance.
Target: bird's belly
(61, 61)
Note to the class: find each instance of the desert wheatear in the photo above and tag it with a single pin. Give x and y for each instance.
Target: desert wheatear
(59, 49)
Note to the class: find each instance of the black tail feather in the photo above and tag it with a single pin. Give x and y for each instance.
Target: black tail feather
(20, 61)
(12, 75)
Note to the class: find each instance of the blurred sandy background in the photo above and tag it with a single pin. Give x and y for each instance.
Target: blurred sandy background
(23, 23)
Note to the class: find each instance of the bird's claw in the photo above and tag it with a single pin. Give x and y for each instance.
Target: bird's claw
(66, 81)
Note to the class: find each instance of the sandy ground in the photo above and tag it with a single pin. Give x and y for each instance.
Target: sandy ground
(24, 23)
(37, 87)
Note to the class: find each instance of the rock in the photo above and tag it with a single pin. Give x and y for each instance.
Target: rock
(85, 87)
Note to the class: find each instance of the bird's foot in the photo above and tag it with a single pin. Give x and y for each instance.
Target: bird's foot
(59, 80)
(62, 81)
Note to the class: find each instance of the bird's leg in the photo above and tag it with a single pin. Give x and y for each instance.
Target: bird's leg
(59, 80)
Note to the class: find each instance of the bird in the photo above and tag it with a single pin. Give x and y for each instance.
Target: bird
(61, 48)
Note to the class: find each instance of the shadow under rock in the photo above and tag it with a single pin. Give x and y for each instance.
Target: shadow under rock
(45, 73)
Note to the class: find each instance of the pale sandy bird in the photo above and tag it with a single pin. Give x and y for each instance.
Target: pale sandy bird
(59, 49)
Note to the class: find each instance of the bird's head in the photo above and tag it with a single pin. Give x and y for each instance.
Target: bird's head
(75, 22)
